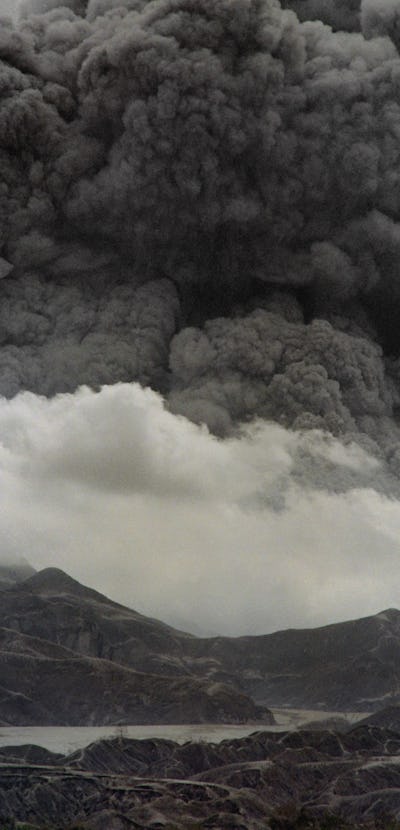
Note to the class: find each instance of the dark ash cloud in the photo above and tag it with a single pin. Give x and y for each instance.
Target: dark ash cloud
(203, 196)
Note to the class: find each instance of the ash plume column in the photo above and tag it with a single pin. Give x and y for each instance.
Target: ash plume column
(342, 15)
(204, 196)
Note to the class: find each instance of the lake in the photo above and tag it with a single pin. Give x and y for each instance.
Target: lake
(67, 739)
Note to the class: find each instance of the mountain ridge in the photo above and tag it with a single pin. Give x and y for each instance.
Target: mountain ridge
(58, 667)
(346, 666)
(55, 579)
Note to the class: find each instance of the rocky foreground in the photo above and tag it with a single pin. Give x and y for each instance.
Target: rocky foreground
(267, 781)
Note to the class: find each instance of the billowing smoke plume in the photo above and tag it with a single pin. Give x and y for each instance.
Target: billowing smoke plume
(204, 196)
(340, 14)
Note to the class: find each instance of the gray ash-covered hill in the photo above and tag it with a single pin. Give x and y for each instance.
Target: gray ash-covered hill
(352, 665)
(69, 689)
(53, 606)
(54, 667)
(345, 666)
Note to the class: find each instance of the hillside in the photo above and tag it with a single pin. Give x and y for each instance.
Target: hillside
(345, 666)
(53, 643)
(62, 688)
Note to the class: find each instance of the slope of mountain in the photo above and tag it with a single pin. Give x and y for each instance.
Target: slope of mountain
(44, 683)
(53, 606)
(346, 666)
(350, 665)
(54, 668)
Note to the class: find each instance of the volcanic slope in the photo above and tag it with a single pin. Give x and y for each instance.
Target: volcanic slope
(345, 666)
(352, 665)
(44, 681)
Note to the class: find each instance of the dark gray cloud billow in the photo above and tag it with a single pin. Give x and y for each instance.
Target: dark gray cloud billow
(340, 14)
(203, 196)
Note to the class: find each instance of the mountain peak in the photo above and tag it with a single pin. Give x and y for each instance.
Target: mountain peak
(53, 579)
(53, 582)
(388, 615)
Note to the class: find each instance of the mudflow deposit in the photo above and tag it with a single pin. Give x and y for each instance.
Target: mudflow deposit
(203, 196)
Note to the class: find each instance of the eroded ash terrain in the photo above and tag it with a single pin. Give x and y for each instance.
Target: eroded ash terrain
(304, 778)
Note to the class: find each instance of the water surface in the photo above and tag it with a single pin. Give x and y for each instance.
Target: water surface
(67, 739)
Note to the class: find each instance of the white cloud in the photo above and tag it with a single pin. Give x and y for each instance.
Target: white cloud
(122, 440)
(152, 510)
